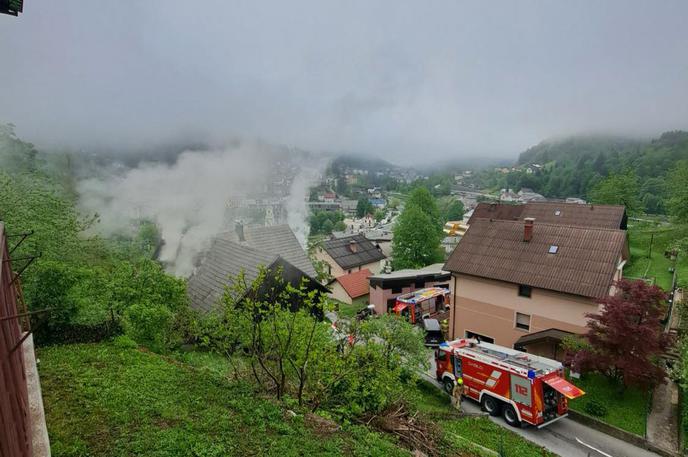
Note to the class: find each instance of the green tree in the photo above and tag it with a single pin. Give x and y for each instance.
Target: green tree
(327, 226)
(653, 195)
(285, 347)
(453, 211)
(618, 189)
(356, 369)
(677, 186)
(416, 241)
(324, 222)
(423, 199)
(17, 156)
(399, 340)
(364, 207)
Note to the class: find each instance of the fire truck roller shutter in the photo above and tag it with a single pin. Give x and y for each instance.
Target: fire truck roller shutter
(521, 390)
(564, 387)
(399, 307)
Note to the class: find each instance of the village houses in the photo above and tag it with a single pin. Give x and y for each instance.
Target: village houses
(525, 276)
(349, 254)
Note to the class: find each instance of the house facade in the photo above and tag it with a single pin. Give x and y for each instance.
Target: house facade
(526, 285)
(351, 288)
(386, 287)
(349, 254)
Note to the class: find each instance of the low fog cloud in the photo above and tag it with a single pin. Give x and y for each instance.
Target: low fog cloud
(406, 81)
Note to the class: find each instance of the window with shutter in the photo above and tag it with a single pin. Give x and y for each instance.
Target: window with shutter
(523, 321)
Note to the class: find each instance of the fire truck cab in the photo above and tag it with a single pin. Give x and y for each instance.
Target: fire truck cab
(416, 304)
(522, 387)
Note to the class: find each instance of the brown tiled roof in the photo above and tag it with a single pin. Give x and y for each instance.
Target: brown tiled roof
(355, 284)
(584, 263)
(603, 216)
(543, 335)
(498, 211)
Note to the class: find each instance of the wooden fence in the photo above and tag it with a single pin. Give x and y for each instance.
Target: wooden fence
(15, 426)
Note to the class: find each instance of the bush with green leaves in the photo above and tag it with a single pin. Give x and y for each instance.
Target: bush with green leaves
(149, 325)
(595, 408)
(277, 329)
(52, 284)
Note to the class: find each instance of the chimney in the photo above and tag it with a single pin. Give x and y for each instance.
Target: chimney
(239, 229)
(528, 229)
(353, 247)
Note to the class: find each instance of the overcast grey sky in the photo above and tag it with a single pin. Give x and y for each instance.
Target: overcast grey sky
(396, 79)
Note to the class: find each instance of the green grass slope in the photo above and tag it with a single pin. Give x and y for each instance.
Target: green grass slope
(652, 264)
(103, 400)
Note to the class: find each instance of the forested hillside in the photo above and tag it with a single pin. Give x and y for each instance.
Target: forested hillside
(576, 167)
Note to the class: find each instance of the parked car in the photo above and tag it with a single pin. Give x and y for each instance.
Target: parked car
(433, 332)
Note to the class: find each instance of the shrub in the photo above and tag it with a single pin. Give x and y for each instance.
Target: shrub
(595, 408)
(124, 342)
(53, 282)
(149, 325)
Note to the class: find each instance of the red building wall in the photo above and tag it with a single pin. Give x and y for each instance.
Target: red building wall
(15, 427)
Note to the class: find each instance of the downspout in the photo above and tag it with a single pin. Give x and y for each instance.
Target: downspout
(453, 328)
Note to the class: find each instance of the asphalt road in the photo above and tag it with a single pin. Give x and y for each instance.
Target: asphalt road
(562, 436)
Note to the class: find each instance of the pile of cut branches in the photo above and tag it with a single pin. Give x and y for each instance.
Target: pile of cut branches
(415, 433)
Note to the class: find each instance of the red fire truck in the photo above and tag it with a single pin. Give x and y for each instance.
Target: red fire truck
(419, 303)
(521, 387)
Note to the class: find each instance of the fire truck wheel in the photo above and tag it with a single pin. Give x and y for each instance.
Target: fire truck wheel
(491, 405)
(448, 385)
(509, 414)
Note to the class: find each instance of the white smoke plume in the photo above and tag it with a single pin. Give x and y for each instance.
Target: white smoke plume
(309, 175)
(188, 199)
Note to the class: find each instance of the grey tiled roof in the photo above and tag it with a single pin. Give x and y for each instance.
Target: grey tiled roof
(340, 251)
(277, 239)
(227, 257)
(224, 260)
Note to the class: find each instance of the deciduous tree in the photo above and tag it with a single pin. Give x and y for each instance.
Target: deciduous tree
(364, 207)
(677, 186)
(626, 338)
(618, 189)
(423, 199)
(454, 211)
(416, 240)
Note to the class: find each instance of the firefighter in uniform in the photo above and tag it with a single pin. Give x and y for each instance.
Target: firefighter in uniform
(457, 394)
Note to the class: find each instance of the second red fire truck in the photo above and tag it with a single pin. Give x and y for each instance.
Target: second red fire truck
(423, 302)
(519, 386)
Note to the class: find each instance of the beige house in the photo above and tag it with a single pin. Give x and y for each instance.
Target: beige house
(527, 285)
(352, 288)
(350, 254)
